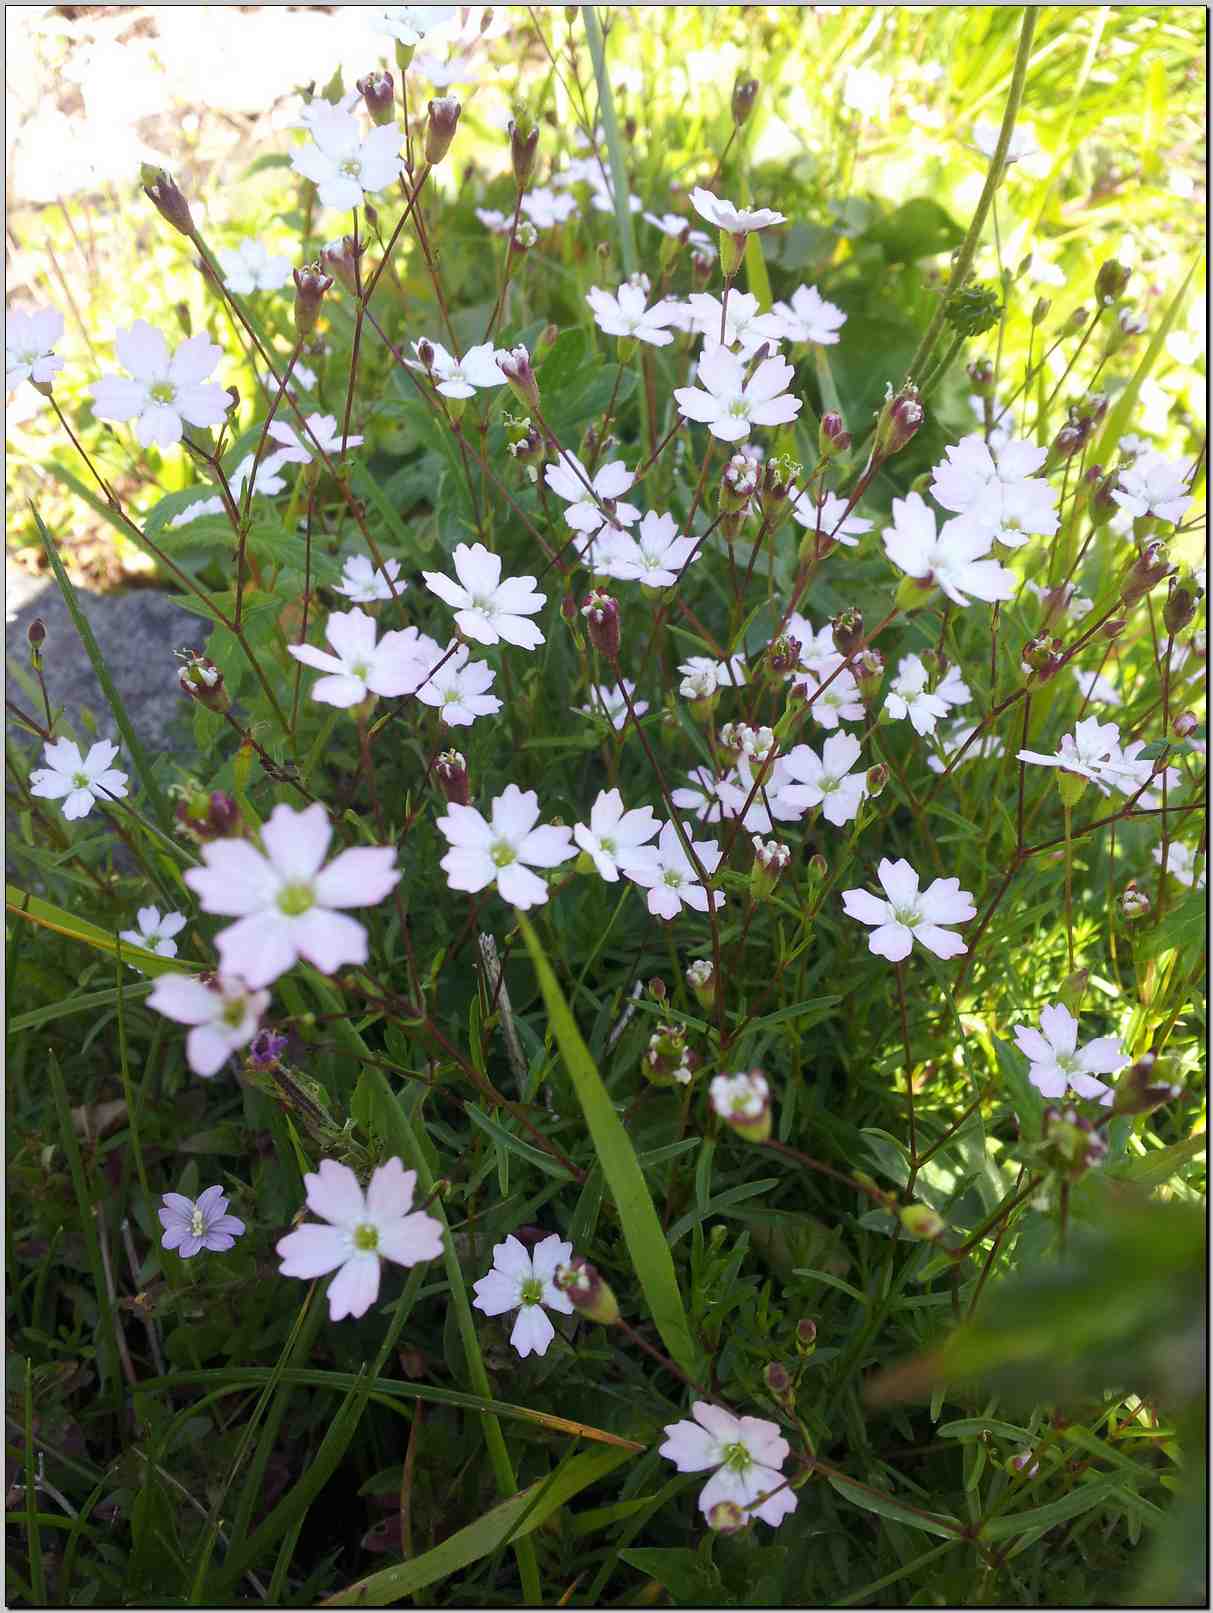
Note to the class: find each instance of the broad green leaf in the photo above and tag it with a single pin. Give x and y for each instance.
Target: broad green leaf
(931, 1523)
(687, 1575)
(1080, 1499)
(647, 1243)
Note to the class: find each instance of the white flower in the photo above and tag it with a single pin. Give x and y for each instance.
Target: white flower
(164, 390)
(545, 208)
(656, 556)
(267, 479)
(839, 699)
(455, 70)
(996, 490)
(1181, 864)
(79, 782)
(504, 850)
(832, 520)
(363, 583)
(989, 746)
(671, 879)
(298, 450)
(818, 652)
(826, 780)
(909, 696)
(708, 797)
(359, 666)
(29, 346)
(744, 327)
(1096, 688)
(155, 934)
(409, 25)
(459, 377)
(950, 558)
(729, 404)
(1021, 144)
(497, 223)
(733, 220)
(730, 674)
(1155, 485)
(1057, 1062)
(910, 915)
(525, 1282)
(363, 1230)
(748, 1454)
(318, 109)
(680, 228)
(608, 700)
(249, 267)
(1094, 752)
(285, 903)
(866, 91)
(459, 687)
(222, 1011)
(809, 317)
(486, 608)
(570, 480)
(342, 164)
(613, 838)
(625, 314)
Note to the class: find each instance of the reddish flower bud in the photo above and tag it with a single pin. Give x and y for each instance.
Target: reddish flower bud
(36, 633)
(378, 90)
(515, 365)
(1146, 1085)
(1187, 722)
(601, 614)
(440, 127)
(868, 671)
(1134, 903)
(783, 655)
(897, 422)
(201, 680)
(168, 199)
(1110, 282)
(209, 817)
(311, 283)
(1042, 656)
(451, 769)
(981, 377)
(340, 260)
(832, 436)
(524, 143)
(1146, 572)
(848, 630)
(1180, 608)
(875, 780)
(583, 1286)
(745, 93)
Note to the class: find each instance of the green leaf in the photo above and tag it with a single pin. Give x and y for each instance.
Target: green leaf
(515, 1145)
(1160, 1164)
(1028, 1104)
(689, 1577)
(919, 228)
(931, 1523)
(647, 1243)
(521, 1515)
(1081, 1499)
(565, 363)
(1182, 927)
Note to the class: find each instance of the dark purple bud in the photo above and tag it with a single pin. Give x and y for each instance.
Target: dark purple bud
(524, 143)
(1101, 506)
(452, 771)
(847, 627)
(1066, 444)
(806, 1335)
(875, 780)
(515, 364)
(1180, 608)
(36, 633)
(601, 614)
(897, 422)
(201, 680)
(833, 437)
(1146, 572)
(868, 671)
(981, 377)
(1146, 1085)
(778, 1381)
(340, 260)
(1186, 723)
(1110, 282)
(168, 199)
(210, 817)
(783, 655)
(440, 127)
(311, 283)
(1042, 655)
(745, 93)
(583, 1286)
(378, 90)
(266, 1050)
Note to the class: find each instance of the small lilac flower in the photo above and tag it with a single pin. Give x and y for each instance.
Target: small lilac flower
(610, 701)
(360, 666)
(250, 267)
(733, 220)
(29, 347)
(364, 584)
(1056, 1061)
(656, 556)
(747, 1454)
(831, 520)
(826, 781)
(525, 1282)
(615, 838)
(297, 450)
(809, 317)
(191, 1225)
(459, 687)
(363, 1230)
(730, 402)
(344, 165)
(504, 850)
(570, 481)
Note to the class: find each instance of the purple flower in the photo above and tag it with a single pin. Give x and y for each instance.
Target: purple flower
(193, 1225)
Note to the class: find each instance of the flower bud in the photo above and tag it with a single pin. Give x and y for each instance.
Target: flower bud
(440, 127)
(266, 1050)
(848, 630)
(920, 1221)
(1022, 1462)
(1186, 723)
(1149, 569)
(745, 93)
(701, 978)
(770, 860)
(778, 1381)
(875, 780)
(201, 680)
(727, 1518)
(515, 365)
(1077, 321)
(311, 283)
(524, 143)
(452, 770)
(743, 1102)
(897, 422)
(656, 989)
(523, 236)
(868, 671)
(1113, 627)
(378, 90)
(1071, 1144)
(1065, 445)
(601, 614)
(209, 817)
(833, 438)
(1101, 506)
(778, 478)
(35, 634)
(582, 1284)
(1134, 903)
(668, 1058)
(339, 259)
(806, 1336)
(1042, 655)
(1041, 311)
(1146, 1085)
(168, 199)
(1110, 282)
(783, 655)
(1182, 600)
(981, 377)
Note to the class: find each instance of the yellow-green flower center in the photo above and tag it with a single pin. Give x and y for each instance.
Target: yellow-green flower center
(737, 1457)
(531, 1291)
(295, 899)
(503, 854)
(162, 392)
(80, 780)
(233, 1013)
(366, 1237)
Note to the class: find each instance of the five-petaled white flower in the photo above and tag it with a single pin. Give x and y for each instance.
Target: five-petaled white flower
(1057, 1061)
(545, 208)
(359, 666)
(950, 558)
(222, 1012)
(503, 850)
(809, 317)
(525, 1282)
(363, 1230)
(459, 687)
(826, 780)
(324, 438)
(364, 583)
(486, 608)
(730, 674)
(675, 225)
(671, 878)
(744, 327)
(343, 164)
(656, 555)
(733, 220)
(747, 1453)
(1155, 485)
(286, 905)
(833, 695)
(996, 490)
(830, 518)
(250, 267)
(909, 696)
(625, 313)
(1094, 752)
(155, 934)
(409, 25)
(569, 480)
(163, 389)
(460, 377)
(79, 782)
(29, 346)
(729, 404)
(616, 839)
(610, 700)
(909, 914)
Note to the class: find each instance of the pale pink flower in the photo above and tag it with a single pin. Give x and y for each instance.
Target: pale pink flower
(744, 327)
(670, 878)
(747, 1453)
(223, 1013)
(809, 317)
(1181, 864)
(323, 429)
(193, 1225)
(78, 781)
(834, 698)
(363, 1229)
(909, 696)
(1057, 1062)
(460, 377)
(570, 480)
(545, 208)
(826, 780)
(359, 666)
(459, 687)
(1094, 752)
(163, 389)
(951, 558)
(608, 700)
(409, 25)
(343, 164)
(910, 915)
(831, 519)
(525, 1282)
(625, 313)
(504, 850)
(287, 904)
(250, 267)
(655, 556)
(486, 608)
(614, 838)
(729, 404)
(1155, 485)
(364, 584)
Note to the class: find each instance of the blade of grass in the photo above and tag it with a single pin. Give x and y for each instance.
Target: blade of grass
(37, 1568)
(610, 128)
(58, 919)
(647, 1243)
